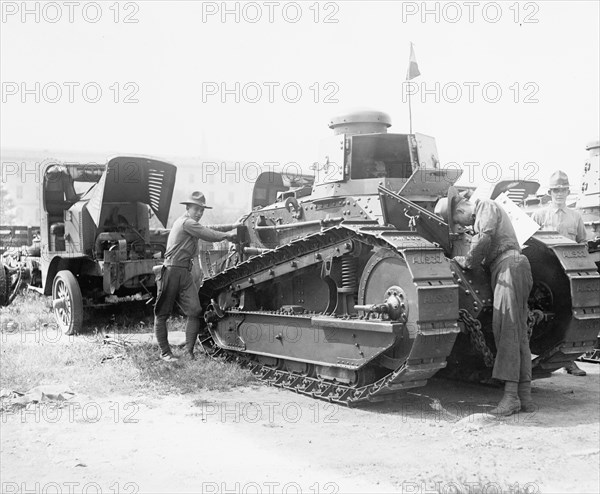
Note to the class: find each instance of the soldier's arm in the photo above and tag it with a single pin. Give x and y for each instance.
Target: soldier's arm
(222, 228)
(203, 233)
(485, 227)
(538, 217)
(581, 235)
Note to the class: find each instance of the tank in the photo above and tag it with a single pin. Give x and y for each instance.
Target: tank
(588, 202)
(588, 205)
(344, 289)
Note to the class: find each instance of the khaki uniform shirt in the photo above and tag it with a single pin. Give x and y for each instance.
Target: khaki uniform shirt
(494, 234)
(182, 244)
(565, 221)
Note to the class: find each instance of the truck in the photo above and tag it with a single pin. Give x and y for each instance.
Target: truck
(103, 229)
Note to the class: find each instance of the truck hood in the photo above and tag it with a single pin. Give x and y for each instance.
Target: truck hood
(139, 179)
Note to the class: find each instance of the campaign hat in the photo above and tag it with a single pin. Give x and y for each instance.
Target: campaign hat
(198, 199)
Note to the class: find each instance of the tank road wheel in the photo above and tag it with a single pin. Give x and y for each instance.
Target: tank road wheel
(348, 377)
(67, 302)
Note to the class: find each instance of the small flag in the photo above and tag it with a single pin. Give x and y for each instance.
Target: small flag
(413, 67)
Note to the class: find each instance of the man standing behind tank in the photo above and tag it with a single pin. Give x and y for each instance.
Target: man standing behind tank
(566, 221)
(174, 280)
(495, 245)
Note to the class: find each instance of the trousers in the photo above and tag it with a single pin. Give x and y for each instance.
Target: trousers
(511, 283)
(175, 285)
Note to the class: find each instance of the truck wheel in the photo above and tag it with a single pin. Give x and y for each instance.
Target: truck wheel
(3, 286)
(67, 302)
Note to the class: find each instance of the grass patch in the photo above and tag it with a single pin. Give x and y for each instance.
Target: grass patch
(34, 353)
(77, 365)
(29, 311)
(186, 376)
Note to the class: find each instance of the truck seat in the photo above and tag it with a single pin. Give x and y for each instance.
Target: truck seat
(59, 191)
(57, 236)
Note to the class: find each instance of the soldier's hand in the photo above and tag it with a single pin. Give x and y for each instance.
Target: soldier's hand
(241, 221)
(232, 237)
(461, 261)
(237, 224)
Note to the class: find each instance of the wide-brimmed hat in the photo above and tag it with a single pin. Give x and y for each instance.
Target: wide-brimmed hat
(198, 199)
(558, 180)
(441, 208)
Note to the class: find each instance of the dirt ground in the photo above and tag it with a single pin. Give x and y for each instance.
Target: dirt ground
(262, 439)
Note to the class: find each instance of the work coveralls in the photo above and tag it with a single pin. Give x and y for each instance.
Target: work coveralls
(495, 243)
(564, 220)
(174, 280)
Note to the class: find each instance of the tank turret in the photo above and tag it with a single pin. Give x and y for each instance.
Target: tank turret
(361, 122)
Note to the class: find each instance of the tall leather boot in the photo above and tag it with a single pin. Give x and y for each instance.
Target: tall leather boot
(527, 404)
(510, 402)
(192, 328)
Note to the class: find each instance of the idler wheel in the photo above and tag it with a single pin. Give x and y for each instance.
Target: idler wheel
(395, 301)
(393, 305)
(386, 281)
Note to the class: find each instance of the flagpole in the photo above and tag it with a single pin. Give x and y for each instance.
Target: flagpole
(411, 73)
(409, 114)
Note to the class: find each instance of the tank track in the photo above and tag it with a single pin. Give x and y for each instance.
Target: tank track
(433, 341)
(580, 332)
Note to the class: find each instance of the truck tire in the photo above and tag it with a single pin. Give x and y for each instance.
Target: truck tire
(67, 302)
(4, 277)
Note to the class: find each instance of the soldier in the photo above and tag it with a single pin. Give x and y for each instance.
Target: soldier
(566, 221)
(495, 245)
(174, 278)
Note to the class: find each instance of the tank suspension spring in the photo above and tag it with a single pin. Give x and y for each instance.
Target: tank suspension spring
(349, 273)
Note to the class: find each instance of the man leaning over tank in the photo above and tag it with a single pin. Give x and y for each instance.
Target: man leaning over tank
(495, 245)
(174, 278)
(566, 221)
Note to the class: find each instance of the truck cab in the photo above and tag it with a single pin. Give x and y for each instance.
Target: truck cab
(98, 246)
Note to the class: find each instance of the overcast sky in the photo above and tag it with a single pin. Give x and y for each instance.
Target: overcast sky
(173, 63)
